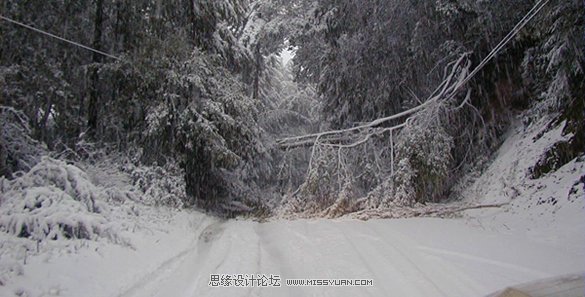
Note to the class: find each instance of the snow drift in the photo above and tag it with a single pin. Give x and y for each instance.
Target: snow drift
(53, 200)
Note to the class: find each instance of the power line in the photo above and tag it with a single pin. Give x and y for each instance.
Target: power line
(519, 26)
(433, 98)
(59, 38)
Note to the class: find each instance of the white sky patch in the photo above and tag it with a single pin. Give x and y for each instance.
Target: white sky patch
(287, 54)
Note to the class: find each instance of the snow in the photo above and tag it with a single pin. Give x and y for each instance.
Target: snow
(548, 209)
(537, 235)
(409, 257)
(287, 54)
(89, 268)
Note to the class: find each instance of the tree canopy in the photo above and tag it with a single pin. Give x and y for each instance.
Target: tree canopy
(201, 84)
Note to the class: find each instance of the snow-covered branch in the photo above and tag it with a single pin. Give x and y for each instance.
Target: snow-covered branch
(445, 91)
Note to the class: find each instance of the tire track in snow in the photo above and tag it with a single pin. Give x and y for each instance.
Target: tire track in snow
(229, 254)
(163, 271)
(507, 266)
(422, 272)
(427, 270)
(407, 269)
(273, 256)
(258, 263)
(272, 248)
(365, 259)
(361, 256)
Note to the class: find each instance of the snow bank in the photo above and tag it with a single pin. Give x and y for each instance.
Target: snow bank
(58, 209)
(54, 200)
(48, 212)
(548, 208)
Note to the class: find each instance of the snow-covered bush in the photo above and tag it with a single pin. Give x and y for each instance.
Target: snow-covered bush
(404, 183)
(49, 213)
(397, 190)
(18, 150)
(321, 181)
(344, 203)
(159, 185)
(54, 200)
(424, 159)
(68, 178)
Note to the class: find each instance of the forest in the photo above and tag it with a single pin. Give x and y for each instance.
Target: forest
(197, 93)
(180, 147)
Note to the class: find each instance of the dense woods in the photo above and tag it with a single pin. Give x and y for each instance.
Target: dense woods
(198, 89)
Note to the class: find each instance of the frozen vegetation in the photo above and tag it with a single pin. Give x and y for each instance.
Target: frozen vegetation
(74, 232)
(428, 148)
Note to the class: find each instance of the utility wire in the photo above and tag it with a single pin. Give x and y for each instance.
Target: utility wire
(452, 89)
(519, 26)
(59, 38)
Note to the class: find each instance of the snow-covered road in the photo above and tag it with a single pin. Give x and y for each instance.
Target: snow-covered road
(410, 257)
(176, 254)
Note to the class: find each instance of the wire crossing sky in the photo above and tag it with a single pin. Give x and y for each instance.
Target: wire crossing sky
(59, 38)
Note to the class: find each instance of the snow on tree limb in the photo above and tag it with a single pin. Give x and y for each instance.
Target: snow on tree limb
(445, 91)
(327, 146)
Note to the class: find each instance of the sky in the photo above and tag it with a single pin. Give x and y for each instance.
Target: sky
(287, 54)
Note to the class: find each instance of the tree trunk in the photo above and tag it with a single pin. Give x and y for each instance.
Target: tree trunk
(258, 57)
(118, 28)
(94, 96)
(42, 125)
(192, 21)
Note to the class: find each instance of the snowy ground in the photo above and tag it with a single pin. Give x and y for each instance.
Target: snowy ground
(539, 234)
(550, 209)
(410, 257)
